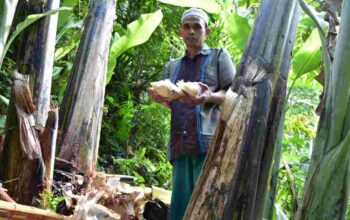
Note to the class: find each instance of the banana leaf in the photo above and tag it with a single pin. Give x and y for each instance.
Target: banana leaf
(4, 100)
(65, 16)
(30, 19)
(2, 125)
(308, 57)
(70, 25)
(138, 32)
(8, 9)
(238, 28)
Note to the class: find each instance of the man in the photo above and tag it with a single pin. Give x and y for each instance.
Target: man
(193, 120)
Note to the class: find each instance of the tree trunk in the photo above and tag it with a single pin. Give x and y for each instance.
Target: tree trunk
(236, 171)
(8, 9)
(276, 140)
(35, 60)
(40, 51)
(272, 193)
(48, 146)
(81, 110)
(325, 193)
(21, 165)
(17, 211)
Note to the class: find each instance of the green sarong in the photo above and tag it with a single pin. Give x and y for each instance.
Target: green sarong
(186, 170)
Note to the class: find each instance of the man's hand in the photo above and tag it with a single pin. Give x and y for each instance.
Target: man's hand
(205, 95)
(157, 98)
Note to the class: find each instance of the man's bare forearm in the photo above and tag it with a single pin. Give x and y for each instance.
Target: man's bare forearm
(216, 97)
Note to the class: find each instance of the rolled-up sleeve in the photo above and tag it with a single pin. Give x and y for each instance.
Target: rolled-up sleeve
(226, 69)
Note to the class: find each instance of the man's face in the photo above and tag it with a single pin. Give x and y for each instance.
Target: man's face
(193, 31)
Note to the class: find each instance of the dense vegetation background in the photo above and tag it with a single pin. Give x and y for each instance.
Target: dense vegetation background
(135, 129)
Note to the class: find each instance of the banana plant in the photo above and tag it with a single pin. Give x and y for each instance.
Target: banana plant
(138, 32)
(8, 9)
(237, 165)
(30, 19)
(308, 57)
(239, 29)
(326, 188)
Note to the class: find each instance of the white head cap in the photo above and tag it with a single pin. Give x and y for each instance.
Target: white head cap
(195, 12)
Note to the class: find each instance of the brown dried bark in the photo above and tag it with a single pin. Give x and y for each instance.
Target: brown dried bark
(21, 164)
(48, 144)
(24, 170)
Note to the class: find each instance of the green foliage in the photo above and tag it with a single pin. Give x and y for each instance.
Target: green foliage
(64, 16)
(209, 5)
(137, 33)
(64, 50)
(245, 3)
(308, 57)
(67, 40)
(2, 124)
(299, 132)
(49, 201)
(145, 170)
(4, 91)
(7, 68)
(231, 28)
(4, 100)
(325, 56)
(28, 21)
(124, 124)
(71, 24)
(239, 30)
(138, 147)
